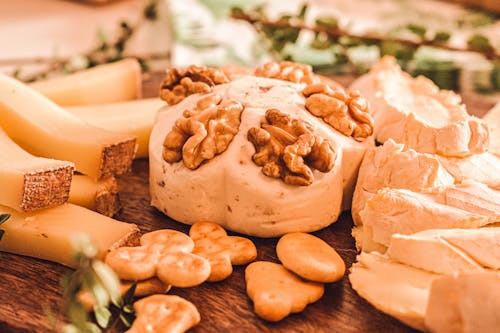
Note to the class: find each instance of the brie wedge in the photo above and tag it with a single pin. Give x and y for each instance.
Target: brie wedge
(231, 189)
(400, 291)
(398, 211)
(448, 251)
(492, 118)
(464, 303)
(413, 111)
(392, 166)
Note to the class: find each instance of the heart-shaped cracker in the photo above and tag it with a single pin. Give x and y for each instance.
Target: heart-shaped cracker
(222, 251)
(317, 261)
(165, 253)
(276, 292)
(164, 314)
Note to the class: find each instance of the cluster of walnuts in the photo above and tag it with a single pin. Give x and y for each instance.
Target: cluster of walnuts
(286, 148)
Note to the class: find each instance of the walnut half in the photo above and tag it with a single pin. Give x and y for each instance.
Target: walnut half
(287, 71)
(287, 148)
(203, 132)
(178, 84)
(347, 112)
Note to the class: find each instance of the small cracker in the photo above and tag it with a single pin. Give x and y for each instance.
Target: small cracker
(277, 292)
(222, 251)
(181, 269)
(132, 263)
(164, 313)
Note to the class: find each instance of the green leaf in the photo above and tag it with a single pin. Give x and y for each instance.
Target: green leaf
(4, 217)
(418, 30)
(480, 43)
(441, 37)
(110, 282)
(127, 319)
(327, 22)
(128, 297)
(302, 13)
(102, 316)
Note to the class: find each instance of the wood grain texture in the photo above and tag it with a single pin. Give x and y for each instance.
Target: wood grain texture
(29, 288)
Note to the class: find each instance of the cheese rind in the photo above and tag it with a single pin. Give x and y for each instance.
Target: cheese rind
(49, 234)
(45, 129)
(448, 251)
(231, 189)
(400, 291)
(100, 196)
(28, 182)
(398, 211)
(114, 82)
(133, 117)
(464, 303)
(414, 112)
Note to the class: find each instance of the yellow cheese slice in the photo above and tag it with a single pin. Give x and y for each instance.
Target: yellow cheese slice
(28, 182)
(118, 81)
(49, 234)
(133, 117)
(45, 129)
(100, 196)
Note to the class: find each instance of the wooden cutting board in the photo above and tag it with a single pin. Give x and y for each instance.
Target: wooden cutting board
(31, 297)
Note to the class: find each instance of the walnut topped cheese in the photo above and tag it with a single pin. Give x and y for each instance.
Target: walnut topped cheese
(248, 155)
(415, 112)
(178, 84)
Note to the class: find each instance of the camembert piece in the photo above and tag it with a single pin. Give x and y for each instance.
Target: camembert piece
(114, 82)
(28, 182)
(100, 196)
(230, 188)
(448, 251)
(132, 117)
(464, 303)
(413, 111)
(398, 290)
(49, 234)
(392, 211)
(45, 129)
(492, 118)
(483, 168)
(392, 166)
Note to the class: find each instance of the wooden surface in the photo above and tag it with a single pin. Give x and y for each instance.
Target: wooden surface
(29, 288)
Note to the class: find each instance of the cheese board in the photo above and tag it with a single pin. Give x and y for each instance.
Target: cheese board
(31, 297)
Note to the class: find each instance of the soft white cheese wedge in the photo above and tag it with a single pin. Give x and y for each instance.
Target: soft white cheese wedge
(398, 211)
(448, 251)
(390, 165)
(400, 291)
(231, 189)
(483, 168)
(413, 111)
(464, 303)
(473, 197)
(492, 118)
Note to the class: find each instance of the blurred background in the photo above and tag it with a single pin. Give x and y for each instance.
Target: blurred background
(455, 43)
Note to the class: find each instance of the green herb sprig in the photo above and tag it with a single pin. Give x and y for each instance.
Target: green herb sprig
(94, 276)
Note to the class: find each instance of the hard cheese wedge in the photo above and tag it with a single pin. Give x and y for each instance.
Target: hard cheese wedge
(49, 234)
(45, 129)
(448, 251)
(398, 290)
(392, 211)
(28, 182)
(133, 117)
(415, 112)
(118, 81)
(492, 118)
(464, 303)
(100, 196)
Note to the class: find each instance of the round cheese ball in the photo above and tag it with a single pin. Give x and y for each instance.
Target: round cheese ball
(231, 189)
